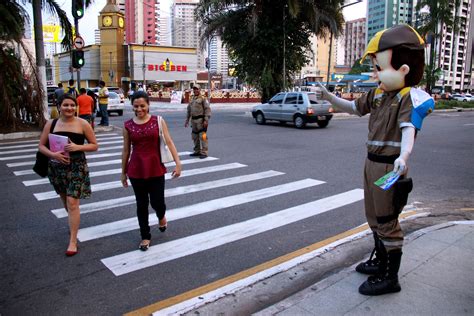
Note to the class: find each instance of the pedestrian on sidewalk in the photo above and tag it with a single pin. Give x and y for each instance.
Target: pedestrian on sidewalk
(71, 89)
(67, 170)
(199, 113)
(86, 105)
(103, 104)
(144, 167)
(396, 110)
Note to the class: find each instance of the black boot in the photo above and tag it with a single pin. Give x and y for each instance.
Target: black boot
(371, 266)
(384, 282)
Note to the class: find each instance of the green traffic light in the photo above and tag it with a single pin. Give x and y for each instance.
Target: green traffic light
(80, 13)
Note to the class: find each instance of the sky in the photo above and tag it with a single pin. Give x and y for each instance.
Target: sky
(89, 23)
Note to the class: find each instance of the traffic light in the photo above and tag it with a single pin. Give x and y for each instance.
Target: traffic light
(207, 63)
(77, 9)
(77, 58)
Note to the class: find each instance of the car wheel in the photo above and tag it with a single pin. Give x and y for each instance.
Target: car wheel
(260, 118)
(299, 121)
(120, 112)
(323, 124)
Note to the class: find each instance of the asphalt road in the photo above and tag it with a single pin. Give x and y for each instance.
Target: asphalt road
(203, 244)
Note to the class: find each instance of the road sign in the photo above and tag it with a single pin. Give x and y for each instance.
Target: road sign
(79, 42)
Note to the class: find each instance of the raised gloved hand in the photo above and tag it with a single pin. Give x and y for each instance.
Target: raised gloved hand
(408, 139)
(340, 103)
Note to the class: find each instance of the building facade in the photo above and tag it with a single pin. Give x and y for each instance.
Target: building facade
(354, 41)
(382, 14)
(142, 21)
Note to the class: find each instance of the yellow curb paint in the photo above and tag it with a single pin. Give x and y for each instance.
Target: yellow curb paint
(147, 310)
(467, 209)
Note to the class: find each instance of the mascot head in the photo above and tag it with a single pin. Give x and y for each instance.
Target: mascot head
(398, 57)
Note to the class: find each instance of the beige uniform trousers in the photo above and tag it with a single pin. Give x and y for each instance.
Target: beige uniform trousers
(379, 206)
(200, 145)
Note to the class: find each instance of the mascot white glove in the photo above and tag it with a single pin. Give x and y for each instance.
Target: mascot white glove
(340, 103)
(408, 139)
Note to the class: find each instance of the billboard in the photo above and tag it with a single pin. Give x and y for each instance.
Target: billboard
(51, 33)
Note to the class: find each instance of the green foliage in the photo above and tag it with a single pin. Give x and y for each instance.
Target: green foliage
(267, 38)
(451, 104)
(359, 68)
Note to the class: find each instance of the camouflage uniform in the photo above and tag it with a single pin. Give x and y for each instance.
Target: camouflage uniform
(198, 112)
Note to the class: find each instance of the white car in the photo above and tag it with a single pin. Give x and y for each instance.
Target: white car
(463, 98)
(115, 104)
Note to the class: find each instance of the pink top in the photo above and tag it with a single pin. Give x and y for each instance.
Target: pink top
(145, 160)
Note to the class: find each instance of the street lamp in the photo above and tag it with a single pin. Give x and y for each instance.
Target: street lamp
(330, 41)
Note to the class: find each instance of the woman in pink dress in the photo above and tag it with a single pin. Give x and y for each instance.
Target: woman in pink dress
(144, 167)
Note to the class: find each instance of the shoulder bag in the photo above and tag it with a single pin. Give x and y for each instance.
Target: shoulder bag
(41, 164)
(165, 152)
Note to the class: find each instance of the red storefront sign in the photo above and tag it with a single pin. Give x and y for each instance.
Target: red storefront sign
(171, 68)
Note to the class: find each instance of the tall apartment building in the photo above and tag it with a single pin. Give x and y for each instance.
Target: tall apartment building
(185, 29)
(354, 41)
(382, 14)
(453, 50)
(142, 21)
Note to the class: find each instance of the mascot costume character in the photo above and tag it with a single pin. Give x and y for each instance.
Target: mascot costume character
(397, 110)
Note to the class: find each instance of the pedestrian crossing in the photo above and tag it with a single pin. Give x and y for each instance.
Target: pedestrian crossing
(18, 157)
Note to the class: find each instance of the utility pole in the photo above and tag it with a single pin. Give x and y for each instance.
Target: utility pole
(209, 68)
(284, 49)
(39, 49)
(144, 65)
(111, 71)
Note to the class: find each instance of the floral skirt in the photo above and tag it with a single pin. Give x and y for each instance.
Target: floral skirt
(72, 179)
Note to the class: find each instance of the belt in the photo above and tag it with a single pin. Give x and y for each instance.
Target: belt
(382, 159)
(197, 117)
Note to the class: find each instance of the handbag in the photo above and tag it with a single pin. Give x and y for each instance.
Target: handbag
(41, 163)
(165, 152)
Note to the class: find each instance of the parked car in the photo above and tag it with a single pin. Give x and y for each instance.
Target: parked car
(297, 107)
(463, 98)
(119, 91)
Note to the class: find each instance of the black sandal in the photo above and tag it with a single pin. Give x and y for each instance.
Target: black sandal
(144, 247)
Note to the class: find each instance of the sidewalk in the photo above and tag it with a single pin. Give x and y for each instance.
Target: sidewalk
(436, 276)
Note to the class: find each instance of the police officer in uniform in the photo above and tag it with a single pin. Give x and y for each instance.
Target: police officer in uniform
(199, 113)
(397, 110)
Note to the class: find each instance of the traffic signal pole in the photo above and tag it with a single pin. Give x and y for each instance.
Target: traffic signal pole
(78, 73)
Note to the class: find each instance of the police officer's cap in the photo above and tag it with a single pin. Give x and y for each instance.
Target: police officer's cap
(398, 35)
(196, 86)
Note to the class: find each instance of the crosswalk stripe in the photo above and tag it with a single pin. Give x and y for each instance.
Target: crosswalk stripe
(118, 184)
(127, 200)
(30, 163)
(117, 161)
(119, 170)
(18, 151)
(34, 142)
(136, 260)
(117, 227)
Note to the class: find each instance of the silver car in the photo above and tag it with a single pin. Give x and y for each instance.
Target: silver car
(297, 107)
(115, 104)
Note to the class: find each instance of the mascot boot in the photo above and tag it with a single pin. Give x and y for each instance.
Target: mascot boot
(386, 279)
(371, 266)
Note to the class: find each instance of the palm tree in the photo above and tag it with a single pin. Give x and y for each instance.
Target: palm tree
(29, 94)
(440, 14)
(269, 39)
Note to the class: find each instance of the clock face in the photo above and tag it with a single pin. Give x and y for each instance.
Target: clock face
(107, 21)
(121, 22)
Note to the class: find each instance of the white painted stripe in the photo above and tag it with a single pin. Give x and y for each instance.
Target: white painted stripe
(109, 229)
(115, 136)
(118, 184)
(34, 142)
(127, 200)
(18, 151)
(136, 260)
(117, 161)
(119, 170)
(20, 146)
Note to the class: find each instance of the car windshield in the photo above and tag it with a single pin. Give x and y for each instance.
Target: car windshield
(113, 95)
(278, 99)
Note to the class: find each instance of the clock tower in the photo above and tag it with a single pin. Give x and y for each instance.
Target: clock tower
(112, 29)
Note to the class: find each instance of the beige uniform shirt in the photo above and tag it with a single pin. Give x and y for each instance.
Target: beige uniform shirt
(198, 107)
(389, 113)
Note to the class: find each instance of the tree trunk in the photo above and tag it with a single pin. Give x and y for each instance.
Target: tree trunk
(39, 51)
